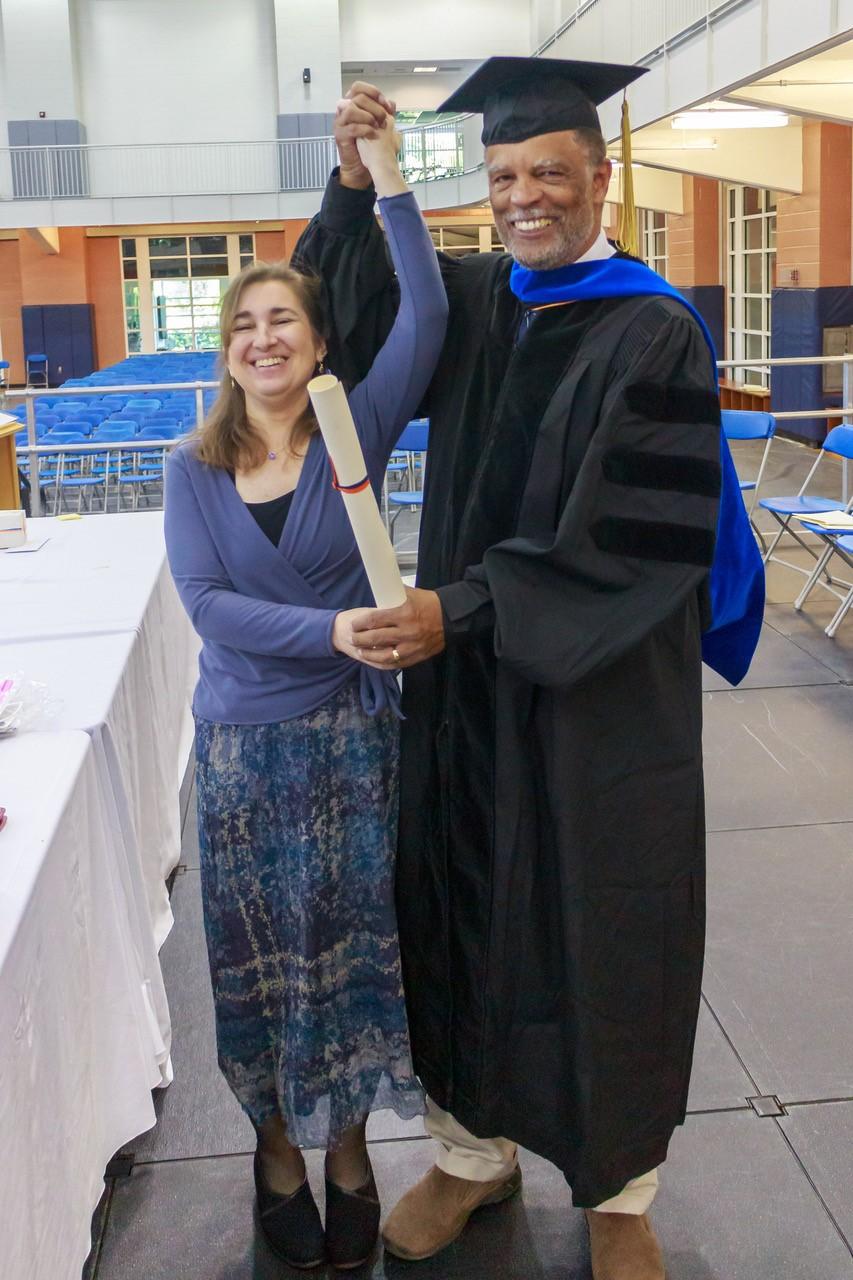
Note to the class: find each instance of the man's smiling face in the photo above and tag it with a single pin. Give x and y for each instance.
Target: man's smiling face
(547, 194)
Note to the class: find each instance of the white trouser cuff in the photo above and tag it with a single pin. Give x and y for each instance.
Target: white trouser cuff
(635, 1197)
(464, 1156)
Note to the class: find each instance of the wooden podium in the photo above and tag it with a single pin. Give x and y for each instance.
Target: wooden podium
(10, 489)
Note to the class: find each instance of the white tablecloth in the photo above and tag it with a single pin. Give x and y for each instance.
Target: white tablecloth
(62, 608)
(93, 575)
(79, 1052)
(95, 616)
(100, 684)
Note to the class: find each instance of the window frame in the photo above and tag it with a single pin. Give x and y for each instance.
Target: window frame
(745, 340)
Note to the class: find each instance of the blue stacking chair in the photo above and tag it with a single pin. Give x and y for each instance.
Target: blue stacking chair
(842, 545)
(743, 424)
(37, 372)
(148, 404)
(836, 543)
(84, 419)
(166, 430)
(413, 442)
(69, 404)
(66, 465)
(146, 464)
(116, 430)
(126, 416)
(839, 442)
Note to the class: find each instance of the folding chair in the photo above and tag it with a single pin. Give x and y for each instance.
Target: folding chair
(413, 444)
(743, 424)
(843, 546)
(68, 463)
(836, 542)
(838, 442)
(37, 371)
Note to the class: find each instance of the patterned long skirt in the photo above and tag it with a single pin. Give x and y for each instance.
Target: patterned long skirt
(297, 832)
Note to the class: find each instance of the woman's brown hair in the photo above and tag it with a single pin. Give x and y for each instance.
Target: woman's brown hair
(227, 439)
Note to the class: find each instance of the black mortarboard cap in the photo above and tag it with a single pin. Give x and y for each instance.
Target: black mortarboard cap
(523, 97)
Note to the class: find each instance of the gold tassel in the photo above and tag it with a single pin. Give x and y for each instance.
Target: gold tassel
(627, 228)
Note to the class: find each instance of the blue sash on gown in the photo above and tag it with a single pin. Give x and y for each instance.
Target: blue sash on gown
(737, 572)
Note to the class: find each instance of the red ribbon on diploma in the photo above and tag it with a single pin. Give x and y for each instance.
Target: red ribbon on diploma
(348, 488)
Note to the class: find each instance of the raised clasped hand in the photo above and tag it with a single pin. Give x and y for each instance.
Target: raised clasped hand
(364, 113)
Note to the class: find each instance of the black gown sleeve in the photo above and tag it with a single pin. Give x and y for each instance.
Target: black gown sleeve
(635, 535)
(345, 247)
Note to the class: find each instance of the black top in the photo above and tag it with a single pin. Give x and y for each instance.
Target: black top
(271, 516)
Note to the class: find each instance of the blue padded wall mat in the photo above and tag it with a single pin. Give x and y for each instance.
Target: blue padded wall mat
(799, 317)
(710, 301)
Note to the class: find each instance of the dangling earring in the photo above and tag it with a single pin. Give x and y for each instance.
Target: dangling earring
(233, 383)
(321, 367)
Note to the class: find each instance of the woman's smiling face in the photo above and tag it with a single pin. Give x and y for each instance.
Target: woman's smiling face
(272, 349)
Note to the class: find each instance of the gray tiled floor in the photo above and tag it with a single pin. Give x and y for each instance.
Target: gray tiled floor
(743, 1197)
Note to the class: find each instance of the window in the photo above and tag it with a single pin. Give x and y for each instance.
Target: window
(247, 251)
(173, 286)
(654, 246)
(130, 271)
(751, 277)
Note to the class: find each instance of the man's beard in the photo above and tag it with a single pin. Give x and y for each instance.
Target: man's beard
(573, 237)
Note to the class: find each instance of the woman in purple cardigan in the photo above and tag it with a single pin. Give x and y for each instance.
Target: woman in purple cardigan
(296, 742)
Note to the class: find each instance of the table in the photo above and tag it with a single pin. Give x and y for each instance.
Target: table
(79, 1050)
(95, 616)
(97, 577)
(94, 575)
(101, 685)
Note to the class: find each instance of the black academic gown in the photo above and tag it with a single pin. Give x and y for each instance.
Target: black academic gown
(550, 884)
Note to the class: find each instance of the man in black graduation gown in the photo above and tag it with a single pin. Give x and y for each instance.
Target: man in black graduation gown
(551, 849)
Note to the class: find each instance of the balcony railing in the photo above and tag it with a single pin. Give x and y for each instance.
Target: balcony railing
(208, 168)
(629, 31)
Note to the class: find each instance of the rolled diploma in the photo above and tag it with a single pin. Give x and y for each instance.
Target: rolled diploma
(344, 449)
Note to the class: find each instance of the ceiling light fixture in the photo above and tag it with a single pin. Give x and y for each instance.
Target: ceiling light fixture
(730, 118)
(424, 70)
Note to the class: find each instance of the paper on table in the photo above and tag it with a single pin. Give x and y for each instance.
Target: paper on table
(344, 449)
(829, 519)
(33, 544)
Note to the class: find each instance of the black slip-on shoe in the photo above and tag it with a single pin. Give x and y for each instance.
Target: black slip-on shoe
(352, 1223)
(291, 1225)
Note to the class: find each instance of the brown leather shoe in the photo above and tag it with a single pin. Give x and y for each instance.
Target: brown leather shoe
(434, 1212)
(624, 1246)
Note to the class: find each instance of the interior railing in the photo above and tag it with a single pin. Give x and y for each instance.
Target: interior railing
(428, 153)
(33, 451)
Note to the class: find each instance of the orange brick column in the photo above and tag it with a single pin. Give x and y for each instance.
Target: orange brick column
(694, 236)
(10, 309)
(813, 229)
(813, 272)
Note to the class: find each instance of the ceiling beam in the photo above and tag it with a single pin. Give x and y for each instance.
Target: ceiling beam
(47, 238)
